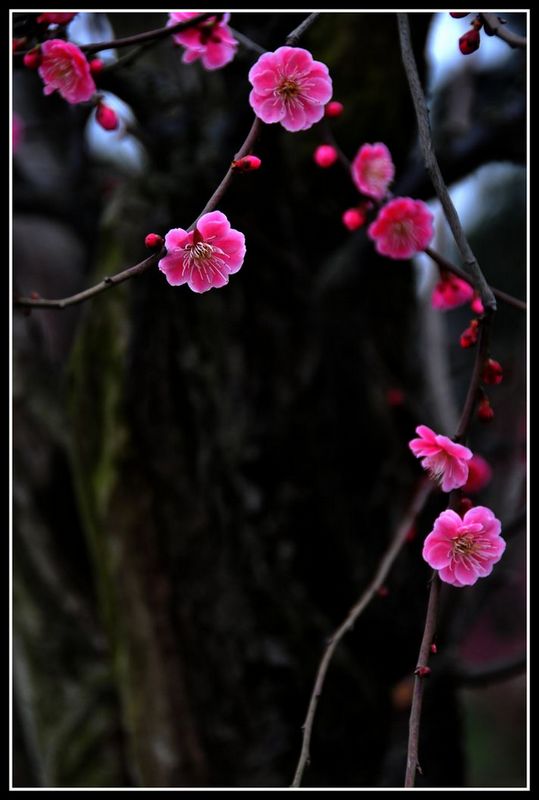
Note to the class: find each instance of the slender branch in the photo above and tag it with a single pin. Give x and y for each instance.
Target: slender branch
(443, 263)
(492, 673)
(412, 763)
(147, 36)
(431, 162)
(418, 501)
(248, 43)
(106, 283)
(138, 269)
(495, 27)
(475, 381)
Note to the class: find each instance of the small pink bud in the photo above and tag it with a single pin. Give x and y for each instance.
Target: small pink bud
(412, 533)
(153, 241)
(395, 397)
(33, 59)
(464, 505)
(476, 305)
(353, 218)
(422, 672)
(96, 65)
(458, 14)
(383, 591)
(325, 155)
(492, 372)
(246, 164)
(433, 649)
(485, 412)
(469, 42)
(106, 117)
(469, 337)
(334, 109)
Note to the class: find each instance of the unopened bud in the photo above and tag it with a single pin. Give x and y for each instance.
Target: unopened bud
(325, 155)
(106, 117)
(469, 42)
(16, 44)
(469, 337)
(334, 109)
(353, 219)
(96, 65)
(383, 591)
(33, 59)
(464, 505)
(485, 412)
(458, 14)
(246, 164)
(422, 672)
(477, 306)
(492, 372)
(153, 241)
(433, 649)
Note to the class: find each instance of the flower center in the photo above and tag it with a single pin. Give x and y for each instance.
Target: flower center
(288, 89)
(463, 545)
(207, 258)
(201, 251)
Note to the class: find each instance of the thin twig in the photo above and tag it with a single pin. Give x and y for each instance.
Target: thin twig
(443, 263)
(138, 269)
(495, 27)
(419, 681)
(431, 163)
(486, 674)
(248, 43)
(106, 283)
(147, 36)
(418, 501)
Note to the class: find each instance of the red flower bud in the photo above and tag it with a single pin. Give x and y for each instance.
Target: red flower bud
(492, 372)
(106, 117)
(469, 42)
(353, 218)
(383, 591)
(334, 109)
(476, 305)
(153, 241)
(433, 649)
(469, 337)
(16, 44)
(96, 65)
(325, 155)
(412, 533)
(464, 505)
(422, 672)
(485, 412)
(33, 59)
(458, 14)
(246, 164)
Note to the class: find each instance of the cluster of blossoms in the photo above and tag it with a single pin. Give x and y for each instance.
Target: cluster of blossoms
(211, 41)
(466, 548)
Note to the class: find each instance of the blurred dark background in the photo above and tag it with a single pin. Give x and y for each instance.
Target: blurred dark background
(204, 484)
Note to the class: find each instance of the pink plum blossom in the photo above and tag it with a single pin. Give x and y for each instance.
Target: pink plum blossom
(211, 41)
(373, 170)
(51, 18)
(451, 292)
(402, 228)
(479, 474)
(464, 549)
(204, 257)
(64, 68)
(290, 87)
(446, 461)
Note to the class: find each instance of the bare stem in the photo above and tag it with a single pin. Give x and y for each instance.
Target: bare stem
(147, 36)
(431, 163)
(496, 27)
(419, 681)
(418, 501)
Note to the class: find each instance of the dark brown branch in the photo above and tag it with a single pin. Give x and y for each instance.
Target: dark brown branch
(495, 27)
(491, 673)
(146, 36)
(138, 269)
(418, 501)
(443, 263)
(431, 163)
(481, 355)
(419, 681)
(249, 44)
(106, 283)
